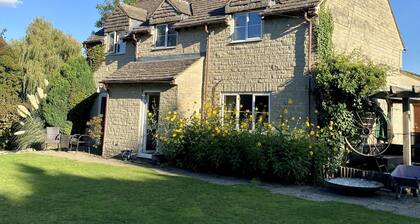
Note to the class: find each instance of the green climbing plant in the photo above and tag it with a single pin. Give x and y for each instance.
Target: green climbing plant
(95, 56)
(343, 83)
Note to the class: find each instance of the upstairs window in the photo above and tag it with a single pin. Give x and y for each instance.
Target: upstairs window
(116, 44)
(247, 27)
(166, 36)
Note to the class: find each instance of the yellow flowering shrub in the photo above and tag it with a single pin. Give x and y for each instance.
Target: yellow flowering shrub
(287, 150)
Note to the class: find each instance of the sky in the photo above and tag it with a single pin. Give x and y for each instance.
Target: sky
(77, 18)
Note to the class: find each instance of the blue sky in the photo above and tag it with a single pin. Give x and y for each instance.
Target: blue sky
(77, 18)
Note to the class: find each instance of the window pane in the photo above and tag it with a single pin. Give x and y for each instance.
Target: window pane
(254, 19)
(230, 103)
(171, 29)
(246, 103)
(254, 31)
(240, 20)
(160, 41)
(245, 108)
(261, 103)
(161, 30)
(230, 107)
(111, 42)
(172, 40)
(240, 33)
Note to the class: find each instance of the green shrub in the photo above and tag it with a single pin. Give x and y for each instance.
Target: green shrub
(95, 56)
(289, 151)
(30, 133)
(95, 129)
(68, 102)
(55, 108)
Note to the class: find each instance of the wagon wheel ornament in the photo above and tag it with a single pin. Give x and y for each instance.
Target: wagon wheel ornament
(373, 134)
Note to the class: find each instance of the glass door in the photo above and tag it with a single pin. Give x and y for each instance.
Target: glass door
(153, 103)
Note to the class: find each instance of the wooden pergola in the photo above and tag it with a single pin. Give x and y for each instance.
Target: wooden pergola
(405, 97)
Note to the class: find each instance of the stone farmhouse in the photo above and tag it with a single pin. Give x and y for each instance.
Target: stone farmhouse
(176, 55)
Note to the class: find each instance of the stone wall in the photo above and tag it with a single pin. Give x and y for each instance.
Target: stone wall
(113, 62)
(369, 27)
(190, 83)
(124, 128)
(192, 40)
(274, 65)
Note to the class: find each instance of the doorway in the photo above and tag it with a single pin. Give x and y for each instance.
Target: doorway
(151, 122)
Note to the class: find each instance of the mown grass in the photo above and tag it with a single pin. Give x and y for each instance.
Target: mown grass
(43, 189)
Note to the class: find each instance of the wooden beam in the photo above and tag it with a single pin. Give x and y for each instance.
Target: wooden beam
(406, 132)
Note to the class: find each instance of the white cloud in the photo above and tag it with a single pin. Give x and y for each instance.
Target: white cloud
(10, 3)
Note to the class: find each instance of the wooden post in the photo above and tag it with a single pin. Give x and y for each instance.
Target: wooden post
(406, 132)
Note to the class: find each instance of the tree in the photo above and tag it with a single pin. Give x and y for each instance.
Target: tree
(10, 86)
(105, 9)
(42, 53)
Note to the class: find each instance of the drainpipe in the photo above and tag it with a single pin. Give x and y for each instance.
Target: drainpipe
(206, 69)
(309, 21)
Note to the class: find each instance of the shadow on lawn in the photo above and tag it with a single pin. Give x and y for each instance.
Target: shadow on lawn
(67, 198)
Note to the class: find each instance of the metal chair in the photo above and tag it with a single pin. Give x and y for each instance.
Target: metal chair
(77, 140)
(53, 137)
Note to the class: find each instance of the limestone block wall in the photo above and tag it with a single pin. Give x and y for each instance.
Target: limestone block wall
(274, 65)
(113, 62)
(367, 26)
(123, 119)
(190, 83)
(192, 40)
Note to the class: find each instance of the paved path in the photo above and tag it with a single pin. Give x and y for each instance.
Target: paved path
(385, 201)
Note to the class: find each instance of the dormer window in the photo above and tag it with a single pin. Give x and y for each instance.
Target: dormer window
(166, 36)
(247, 27)
(116, 44)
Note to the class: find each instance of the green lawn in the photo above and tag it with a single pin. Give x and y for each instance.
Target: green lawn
(42, 189)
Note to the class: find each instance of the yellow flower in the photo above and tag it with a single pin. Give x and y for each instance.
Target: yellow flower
(290, 101)
(312, 133)
(174, 135)
(286, 111)
(307, 124)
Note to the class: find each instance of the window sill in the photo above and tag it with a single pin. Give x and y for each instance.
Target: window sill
(162, 48)
(114, 54)
(245, 41)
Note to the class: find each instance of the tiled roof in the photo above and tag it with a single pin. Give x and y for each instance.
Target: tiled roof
(95, 38)
(285, 6)
(150, 72)
(204, 12)
(135, 12)
(199, 12)
(243, 5)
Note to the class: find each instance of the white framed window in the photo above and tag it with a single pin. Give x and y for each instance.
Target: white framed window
(166, 36)
(247, 26)
(116, 44)
(241, 106)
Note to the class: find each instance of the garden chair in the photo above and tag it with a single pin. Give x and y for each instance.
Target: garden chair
(78, 140)
(53, 137)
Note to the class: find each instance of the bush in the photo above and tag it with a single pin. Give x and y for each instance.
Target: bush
(55, 108)
(95, 56)
(291, 151)
(95, 127)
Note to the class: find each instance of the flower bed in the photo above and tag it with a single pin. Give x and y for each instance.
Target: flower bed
(290, 151)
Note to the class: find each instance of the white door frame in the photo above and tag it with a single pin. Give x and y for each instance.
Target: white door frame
(143, 153)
